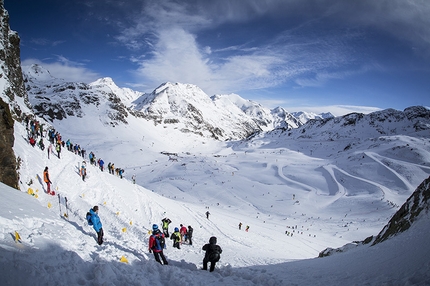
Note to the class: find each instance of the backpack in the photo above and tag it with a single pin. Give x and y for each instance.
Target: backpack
(160, 242)
(214, 256)
(89, 218)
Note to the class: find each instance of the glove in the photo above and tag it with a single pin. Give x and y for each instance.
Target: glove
(150, 251)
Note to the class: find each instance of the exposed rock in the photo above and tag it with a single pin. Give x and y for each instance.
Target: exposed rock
(8, 165)
(401, 221)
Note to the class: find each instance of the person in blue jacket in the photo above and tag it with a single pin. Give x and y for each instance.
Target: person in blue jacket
(97, 224)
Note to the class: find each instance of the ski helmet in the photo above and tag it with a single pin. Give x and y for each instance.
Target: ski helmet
(154, 227)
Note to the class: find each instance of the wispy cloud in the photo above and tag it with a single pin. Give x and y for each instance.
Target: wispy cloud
(46, 42)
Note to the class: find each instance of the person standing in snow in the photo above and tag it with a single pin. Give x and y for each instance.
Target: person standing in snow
(190, 235)
(166, 222)
(83, 170)
(212, 254)
(183, 232)
(133, 178)
(97, 224)
(155, 245)
(50, 149)
(101, 163)
(240, 225)
(247, 228)
(207, 214)
(58, 149)
(47, 180)
(176, 237)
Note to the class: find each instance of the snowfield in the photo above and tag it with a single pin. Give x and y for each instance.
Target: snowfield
(322, 197)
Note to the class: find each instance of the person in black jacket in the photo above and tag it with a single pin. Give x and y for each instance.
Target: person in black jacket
(212, 254)
(189, 235)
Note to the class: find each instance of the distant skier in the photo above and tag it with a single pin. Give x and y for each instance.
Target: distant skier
(176, 237)
(183, 232)
(207, 214)
(166, 223)
(97, 224)
(58, 149)
(133, 178)
(101, 163)
(212, 254)
(189, 235)
(83, 170)
(247, 228)
(157, 244)
(50, 149)
(47, 180)
(240, 226)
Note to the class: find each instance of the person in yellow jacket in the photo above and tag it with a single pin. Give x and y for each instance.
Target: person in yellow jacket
(176, 237)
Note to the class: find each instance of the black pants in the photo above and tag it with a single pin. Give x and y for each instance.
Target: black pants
(100, 236)
(166, 232)
(205, 265)
(189, 239)
(157, 257)
(177, 244)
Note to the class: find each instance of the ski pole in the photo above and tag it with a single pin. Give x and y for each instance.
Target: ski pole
(67, 207)
(59, 203)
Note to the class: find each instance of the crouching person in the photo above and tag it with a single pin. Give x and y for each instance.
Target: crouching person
(212, 254)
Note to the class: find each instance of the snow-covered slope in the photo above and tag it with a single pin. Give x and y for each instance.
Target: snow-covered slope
(60, 250)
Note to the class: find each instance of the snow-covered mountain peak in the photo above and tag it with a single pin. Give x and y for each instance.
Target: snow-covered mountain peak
(38, 73)
(107, 84)
(304, 117)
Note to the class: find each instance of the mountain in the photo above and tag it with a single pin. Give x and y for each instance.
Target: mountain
(184, 107)
(304, 117)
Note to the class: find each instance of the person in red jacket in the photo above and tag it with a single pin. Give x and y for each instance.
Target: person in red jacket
(183, 232)
(157, 244)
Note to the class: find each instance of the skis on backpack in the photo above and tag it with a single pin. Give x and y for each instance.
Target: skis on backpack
(67, 207)
(59, 203)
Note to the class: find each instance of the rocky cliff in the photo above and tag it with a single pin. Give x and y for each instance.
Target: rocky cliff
(12, 97)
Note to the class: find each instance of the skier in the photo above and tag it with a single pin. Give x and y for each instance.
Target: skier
(207, 214)
(97, 224)
(176, 237)
(190, 235)
(156, 241)
(49, 149)
(183, 232)
(47, 180)
(240, 225)
(83, 170)
(133, 178)
(58, 149)
(101, 163)
(166, 223)
(247, 228)
(212, 254)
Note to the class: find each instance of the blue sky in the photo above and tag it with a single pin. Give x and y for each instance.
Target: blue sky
(299, 54)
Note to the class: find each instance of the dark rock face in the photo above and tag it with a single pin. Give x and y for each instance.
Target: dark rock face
(10, 110)
(403, 219)
(8, 168)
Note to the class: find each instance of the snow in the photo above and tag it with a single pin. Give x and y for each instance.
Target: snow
(271, 183)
